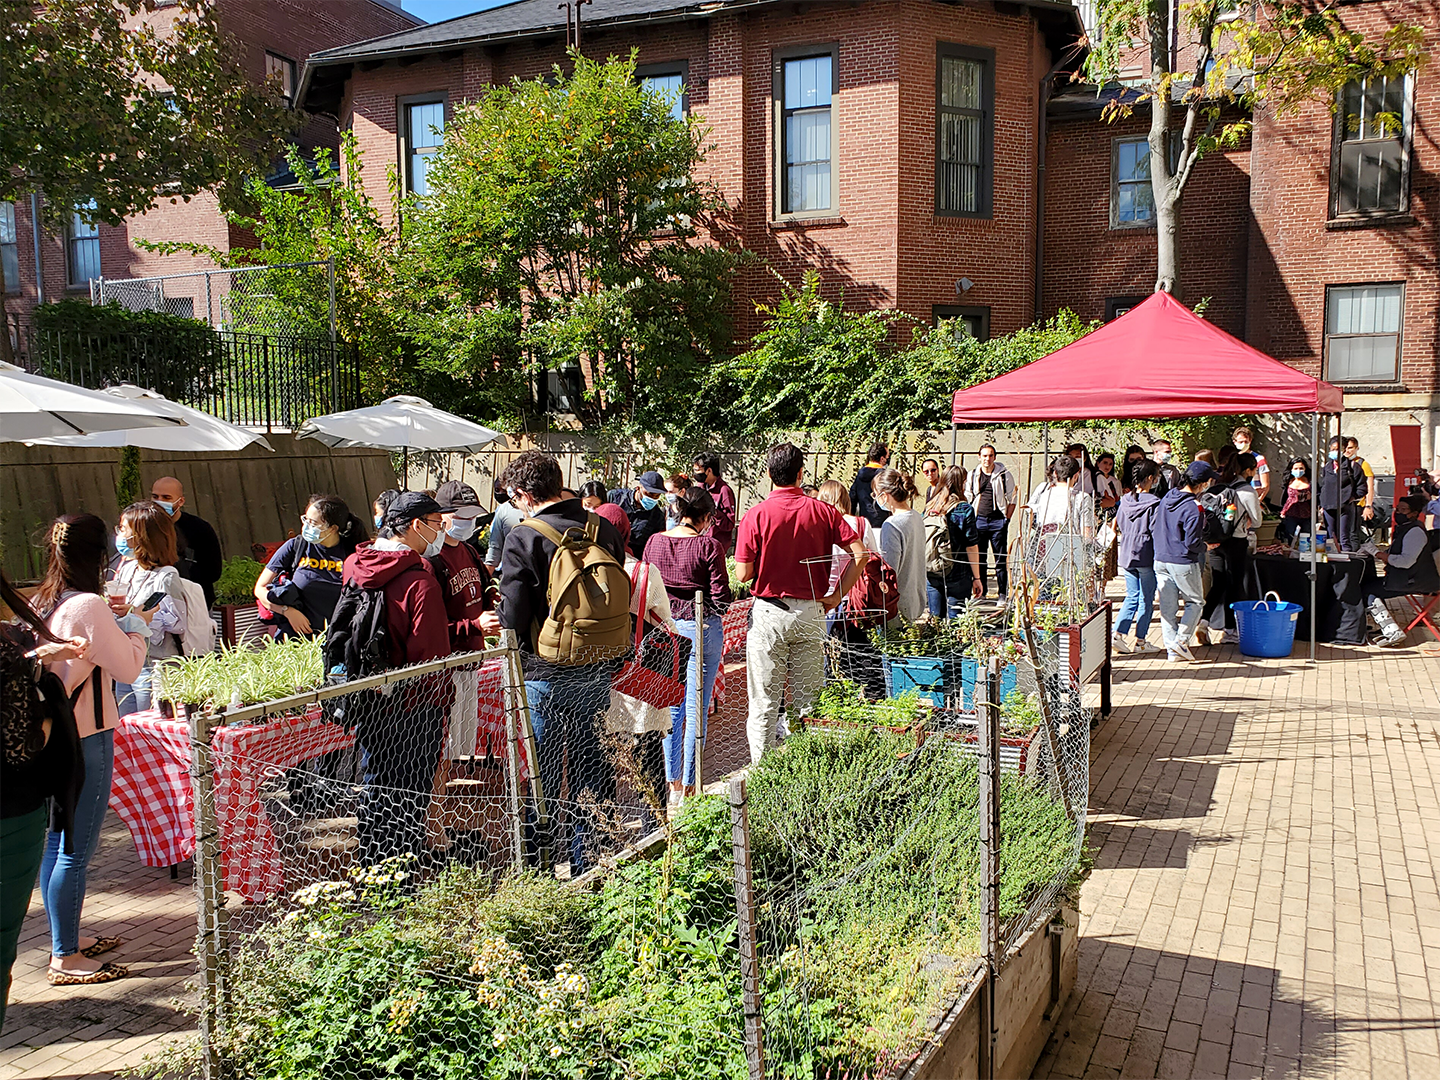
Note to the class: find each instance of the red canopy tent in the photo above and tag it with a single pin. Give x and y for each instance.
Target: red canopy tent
(1159, 359)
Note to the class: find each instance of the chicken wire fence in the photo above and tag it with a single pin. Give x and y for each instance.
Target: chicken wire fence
(290, 299)
(475, 867)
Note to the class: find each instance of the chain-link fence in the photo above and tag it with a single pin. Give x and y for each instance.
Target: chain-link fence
(287, 299)
(483, 867)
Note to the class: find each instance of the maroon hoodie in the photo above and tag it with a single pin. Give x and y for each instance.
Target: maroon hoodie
(414, 604)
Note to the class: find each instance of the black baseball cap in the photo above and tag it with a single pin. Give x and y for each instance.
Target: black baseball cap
(408, 506)
(652, 482)
(453, 494)
(1199, 472)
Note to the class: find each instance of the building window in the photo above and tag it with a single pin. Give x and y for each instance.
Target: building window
(1370, 161)
(669, 81)
(9, 248)
(421, 134)
(83, 245)
(964, 129)
(1132, 199)
(1115, 306)
(804, 90)
(280, 70)
(1362, 332)
(971, 322)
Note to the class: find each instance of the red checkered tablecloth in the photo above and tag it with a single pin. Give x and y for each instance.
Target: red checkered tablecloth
(152, 791)
(736, 622)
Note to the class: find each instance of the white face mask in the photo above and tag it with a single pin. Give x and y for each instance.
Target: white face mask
(1162, 456)
(461, 529)
(432, 547)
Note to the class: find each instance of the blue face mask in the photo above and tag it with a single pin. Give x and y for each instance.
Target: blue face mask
(1334, 454)
(123, 547)
(647, 503)
(310, 533)
(379, 520)
(168, 507)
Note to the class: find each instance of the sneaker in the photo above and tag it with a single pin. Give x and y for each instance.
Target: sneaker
(1202, 632)
(1182, 652)
(1230, 637)
(1120, 643)
(1142, 646)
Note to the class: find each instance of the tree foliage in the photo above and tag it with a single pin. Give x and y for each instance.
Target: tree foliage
(108, 105)
(1275, 54)
(817, 366)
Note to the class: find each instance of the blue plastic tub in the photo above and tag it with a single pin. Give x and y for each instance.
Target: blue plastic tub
(1266, 627)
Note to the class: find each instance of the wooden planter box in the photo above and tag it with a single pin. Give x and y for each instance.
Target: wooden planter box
(1038, 975)
(240, 623)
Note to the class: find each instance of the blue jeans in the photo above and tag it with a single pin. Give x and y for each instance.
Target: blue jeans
(1139, 601)
(62, 877)
(567, 712)
(135, 697)
(685, 726)
(1173, 581)
(946, 597)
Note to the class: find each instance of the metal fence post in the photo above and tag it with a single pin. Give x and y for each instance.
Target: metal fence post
(745, 919)
(514, 703)
(699, 700)
(211, 941)
(989, 800)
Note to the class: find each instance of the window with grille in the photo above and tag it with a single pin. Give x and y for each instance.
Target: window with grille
(9, 248)
(1362, 332)
(83, 248)
(1369, 170)
(1132, 199)
(668, 82)
(805, 93)
(280, 71)
(422, 133)
(964, 106)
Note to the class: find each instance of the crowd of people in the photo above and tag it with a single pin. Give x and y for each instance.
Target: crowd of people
(580, 577)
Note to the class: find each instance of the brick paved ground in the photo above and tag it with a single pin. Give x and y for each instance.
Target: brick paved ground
(1264, 901)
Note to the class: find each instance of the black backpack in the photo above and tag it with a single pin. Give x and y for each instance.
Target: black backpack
(358, 641)
(1220, 514)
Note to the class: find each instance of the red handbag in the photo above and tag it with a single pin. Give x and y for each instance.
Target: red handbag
(655, 674)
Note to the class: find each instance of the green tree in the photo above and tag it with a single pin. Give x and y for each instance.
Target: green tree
(1271, 54)
(564, 226)
(101, 112)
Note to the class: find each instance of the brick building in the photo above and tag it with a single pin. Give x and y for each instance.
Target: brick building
(935, 157)
(274, 37)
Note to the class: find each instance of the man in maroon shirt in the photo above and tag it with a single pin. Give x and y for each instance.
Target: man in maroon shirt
(705, 471)
(785, 546)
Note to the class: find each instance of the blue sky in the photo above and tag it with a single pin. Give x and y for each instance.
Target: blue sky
(439, 10)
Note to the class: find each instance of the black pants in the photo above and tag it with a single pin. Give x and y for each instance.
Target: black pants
(994, 536)
(400, 742)
(1229, 579)
(1344, 528)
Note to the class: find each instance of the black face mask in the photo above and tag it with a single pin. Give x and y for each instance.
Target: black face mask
(700, 479)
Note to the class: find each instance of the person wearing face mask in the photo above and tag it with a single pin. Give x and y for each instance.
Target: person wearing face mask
(705, 471)
(1342, 485)
(507, 516)
(301, 582)
(1170, 478)
(1244, 440)
(197, 547)
(1410, 568)
(1370, 517)
(145, 539)
(470, 593)
(402, 737)
(1295, 505)
(644, 505)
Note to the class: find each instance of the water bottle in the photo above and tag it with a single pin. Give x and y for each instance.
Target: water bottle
(1303, 546)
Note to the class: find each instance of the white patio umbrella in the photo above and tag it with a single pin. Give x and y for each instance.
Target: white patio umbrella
(201, 433)
(34, 407)
(402, 423)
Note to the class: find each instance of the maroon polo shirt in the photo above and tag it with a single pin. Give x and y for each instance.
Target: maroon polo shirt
(790, 538)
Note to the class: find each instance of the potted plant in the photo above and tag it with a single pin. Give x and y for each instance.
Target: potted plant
(924, 656)
(236, 677)
(235, 599)
(842, 704)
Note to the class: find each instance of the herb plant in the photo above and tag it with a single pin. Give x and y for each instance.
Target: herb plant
(240, 676)
(237, 581)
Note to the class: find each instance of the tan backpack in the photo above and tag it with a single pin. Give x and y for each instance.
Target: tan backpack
(589, 595)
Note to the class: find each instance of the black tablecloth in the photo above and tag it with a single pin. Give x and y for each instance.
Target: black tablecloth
(1339, 594)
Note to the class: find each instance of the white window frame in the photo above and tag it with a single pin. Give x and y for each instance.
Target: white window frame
(10, 247)
(780, 58)
(1330, 374)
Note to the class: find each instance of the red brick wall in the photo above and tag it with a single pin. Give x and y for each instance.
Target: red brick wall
(1294, 254)
(1088, 262)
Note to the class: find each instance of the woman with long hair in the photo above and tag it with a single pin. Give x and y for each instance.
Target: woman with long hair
(70, 598)
(1295, 504)
(902, 538)
(30, 776)
(690, 561)
(145, 539)
(947, 592)
(311, 565)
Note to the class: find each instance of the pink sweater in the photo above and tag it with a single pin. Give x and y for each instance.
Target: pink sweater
(117, 654)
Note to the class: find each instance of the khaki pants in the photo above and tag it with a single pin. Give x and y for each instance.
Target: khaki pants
(782, 644)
